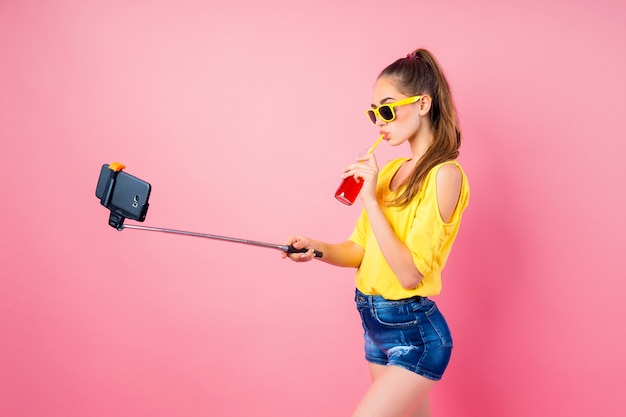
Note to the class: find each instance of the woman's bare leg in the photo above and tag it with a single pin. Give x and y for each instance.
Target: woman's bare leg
(395, 392)
(423, 410)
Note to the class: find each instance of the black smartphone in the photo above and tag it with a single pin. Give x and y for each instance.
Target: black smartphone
(125, 195)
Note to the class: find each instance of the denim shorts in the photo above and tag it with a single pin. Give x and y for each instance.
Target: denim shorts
(409, 333)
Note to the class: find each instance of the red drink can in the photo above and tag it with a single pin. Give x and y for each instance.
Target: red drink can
(348, 190)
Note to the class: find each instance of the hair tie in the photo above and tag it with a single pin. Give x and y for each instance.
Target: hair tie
(412, 55)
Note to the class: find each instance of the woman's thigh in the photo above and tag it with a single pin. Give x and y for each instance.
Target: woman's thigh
(395, 392)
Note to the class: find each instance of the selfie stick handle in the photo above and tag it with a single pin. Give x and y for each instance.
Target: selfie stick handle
(284, 248)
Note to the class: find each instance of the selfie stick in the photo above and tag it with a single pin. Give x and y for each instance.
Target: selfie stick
(284, 248)
(137, 211)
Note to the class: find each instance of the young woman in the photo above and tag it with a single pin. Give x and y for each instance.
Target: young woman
(411, 215)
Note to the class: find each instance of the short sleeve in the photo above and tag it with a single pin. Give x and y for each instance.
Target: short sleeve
(358, 235)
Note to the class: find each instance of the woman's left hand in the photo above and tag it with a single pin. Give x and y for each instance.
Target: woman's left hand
(365, 169)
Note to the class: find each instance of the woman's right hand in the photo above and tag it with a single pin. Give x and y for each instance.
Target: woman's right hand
(299, 242)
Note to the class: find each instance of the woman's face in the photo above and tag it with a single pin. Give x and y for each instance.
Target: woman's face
(408, 120)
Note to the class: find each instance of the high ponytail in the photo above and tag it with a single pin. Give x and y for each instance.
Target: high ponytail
(420, 73)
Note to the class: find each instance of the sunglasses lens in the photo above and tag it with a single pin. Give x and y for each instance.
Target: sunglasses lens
(386, 113)
(372, 116)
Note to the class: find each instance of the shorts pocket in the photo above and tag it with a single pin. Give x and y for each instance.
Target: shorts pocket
(398, 316)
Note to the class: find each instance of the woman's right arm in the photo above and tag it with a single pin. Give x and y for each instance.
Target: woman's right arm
(346, 254)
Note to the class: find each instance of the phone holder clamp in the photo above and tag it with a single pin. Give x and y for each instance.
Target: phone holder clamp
(116, 220)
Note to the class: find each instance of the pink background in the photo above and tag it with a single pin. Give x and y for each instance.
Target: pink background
(241, 114)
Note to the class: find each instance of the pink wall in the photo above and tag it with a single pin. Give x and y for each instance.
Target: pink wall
(241, 115)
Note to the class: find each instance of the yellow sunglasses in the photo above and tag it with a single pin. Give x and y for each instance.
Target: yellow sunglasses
(385, 111)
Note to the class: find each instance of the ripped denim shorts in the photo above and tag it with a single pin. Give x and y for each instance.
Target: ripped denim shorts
(409, 333)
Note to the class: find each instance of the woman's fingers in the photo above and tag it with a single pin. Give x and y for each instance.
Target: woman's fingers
(299, 242)
(360, 171)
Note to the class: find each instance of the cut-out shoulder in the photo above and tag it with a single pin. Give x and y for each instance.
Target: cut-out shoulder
(449, 181)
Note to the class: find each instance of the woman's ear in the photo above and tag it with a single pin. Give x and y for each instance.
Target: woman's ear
(425, 104)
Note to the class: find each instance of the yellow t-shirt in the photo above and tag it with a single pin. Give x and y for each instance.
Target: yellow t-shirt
(419, 226)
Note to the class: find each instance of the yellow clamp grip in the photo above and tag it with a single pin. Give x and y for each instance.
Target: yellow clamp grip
(116, 166)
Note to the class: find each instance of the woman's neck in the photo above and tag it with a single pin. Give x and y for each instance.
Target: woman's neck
(420, 144)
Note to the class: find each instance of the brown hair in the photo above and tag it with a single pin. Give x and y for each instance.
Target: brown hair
(420, 73)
